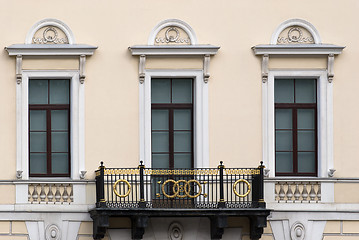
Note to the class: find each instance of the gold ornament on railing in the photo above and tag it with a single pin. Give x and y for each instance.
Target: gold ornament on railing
(235, 190)
(177, 188)
(128, 185)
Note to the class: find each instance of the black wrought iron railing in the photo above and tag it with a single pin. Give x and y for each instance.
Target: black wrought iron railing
(206, 188)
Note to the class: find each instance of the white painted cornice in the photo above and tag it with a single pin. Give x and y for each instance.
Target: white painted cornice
(179, 50)
(50, 49)
(297, 49)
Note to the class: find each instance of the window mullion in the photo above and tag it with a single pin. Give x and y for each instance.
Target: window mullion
(171, 138)
(295, 141)
(48, 136)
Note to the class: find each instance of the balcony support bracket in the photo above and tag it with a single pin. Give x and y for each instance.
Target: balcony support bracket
(100, 225)
(218, 224)
(139, 224)
(257, 223)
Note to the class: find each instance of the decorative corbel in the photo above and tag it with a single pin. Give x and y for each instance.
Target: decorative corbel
(82, 68)
(18, 69)
(330, 67)
(331, 172)
(141, 68)
(82, 174)
(19, 174)
(265, 60)
(206, 74)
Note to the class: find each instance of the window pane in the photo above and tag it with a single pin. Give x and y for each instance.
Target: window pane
(283, 119)
(37, 141)
(284, 162)
(306, 162)
(38, 92)
(182, 160)
(182, 119)
(38, 163)
(305, 91)
(283, 91)
(59, 141)
(182, 141)
(283, 140)
(37, 120)
(59, 120)
(306, 118)
(306, 140)
(60, 163)
(59, 91)
(159, 119)
(182, 91)
(160, 161)
(160, 90)
(160, 142)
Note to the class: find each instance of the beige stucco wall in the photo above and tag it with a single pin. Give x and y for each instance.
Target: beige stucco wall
(112, 114)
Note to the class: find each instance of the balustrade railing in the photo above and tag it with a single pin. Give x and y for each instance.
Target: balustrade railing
(206, 188)
(298, 192)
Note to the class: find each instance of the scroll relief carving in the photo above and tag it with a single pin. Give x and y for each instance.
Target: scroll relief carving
(50, 35)
(295, 35)
(172, 35)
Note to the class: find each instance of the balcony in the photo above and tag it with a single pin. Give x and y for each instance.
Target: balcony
(217, 193)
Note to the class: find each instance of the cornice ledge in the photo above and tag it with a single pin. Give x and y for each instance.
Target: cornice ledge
(50, 50)
(297, 49)
(179, 50)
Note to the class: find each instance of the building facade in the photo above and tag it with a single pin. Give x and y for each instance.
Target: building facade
(179, 120)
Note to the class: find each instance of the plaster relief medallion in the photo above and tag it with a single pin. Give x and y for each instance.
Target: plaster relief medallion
(52, 232)
(175, 231)
(50, 35)
(172, 35)
(295, 35)
(297, 232)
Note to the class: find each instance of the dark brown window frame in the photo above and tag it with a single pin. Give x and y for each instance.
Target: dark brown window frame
(171, 107)
(48, 108)
(294, 108)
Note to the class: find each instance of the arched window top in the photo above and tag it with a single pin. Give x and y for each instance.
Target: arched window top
(296, 31)
(50, 31)
(172, 32)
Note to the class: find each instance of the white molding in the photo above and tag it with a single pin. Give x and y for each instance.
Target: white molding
(50, 49)
(325, 118)
(172, 22)
(297, 49)
(77, 120)
(296, 22)
(50, 22)
(201, 149)
(174, 50)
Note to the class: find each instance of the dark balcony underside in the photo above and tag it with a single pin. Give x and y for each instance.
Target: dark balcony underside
(218, 218)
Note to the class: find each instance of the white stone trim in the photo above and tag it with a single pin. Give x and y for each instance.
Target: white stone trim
(176, 50)
(172, 22)
(50, 49)
(77, 138)
(201, 149)
(325, 118)
(297, 49)
(50, 22)
(296, 22)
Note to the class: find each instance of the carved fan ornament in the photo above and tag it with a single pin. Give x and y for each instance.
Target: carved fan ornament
(50, 35)
(295, 35)
(172, 35)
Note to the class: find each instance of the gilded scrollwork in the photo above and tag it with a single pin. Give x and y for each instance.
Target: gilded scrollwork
(128, 186)
(248, 188)
(184, 188)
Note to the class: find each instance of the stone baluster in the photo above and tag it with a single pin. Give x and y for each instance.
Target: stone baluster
(65, 195)
(50, 195)
(319, 193)
(42, 193)
(289, 192)
(296, 192)
(57, 194)
(281, 192)
(312, 194)
(34, 194)
(305, 192)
